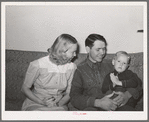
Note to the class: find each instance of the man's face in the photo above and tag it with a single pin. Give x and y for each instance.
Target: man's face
(97, 52)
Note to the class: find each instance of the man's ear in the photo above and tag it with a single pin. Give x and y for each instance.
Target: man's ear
(113, 61)
(87, 49)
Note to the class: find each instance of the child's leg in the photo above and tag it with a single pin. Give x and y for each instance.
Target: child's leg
(132, 102)
(125, 108)
(129, 106)
(93, 109)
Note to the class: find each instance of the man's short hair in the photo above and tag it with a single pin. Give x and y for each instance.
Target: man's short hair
(92, 38)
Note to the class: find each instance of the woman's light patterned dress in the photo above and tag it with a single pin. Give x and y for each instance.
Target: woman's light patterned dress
(50, 80)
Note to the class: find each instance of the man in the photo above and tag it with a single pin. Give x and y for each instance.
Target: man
(86, 91)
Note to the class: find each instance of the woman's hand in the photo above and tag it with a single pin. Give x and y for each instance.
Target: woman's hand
(49, 102)
(63, 100)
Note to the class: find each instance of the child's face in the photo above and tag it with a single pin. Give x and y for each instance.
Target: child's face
(120, 63)
(70, 53)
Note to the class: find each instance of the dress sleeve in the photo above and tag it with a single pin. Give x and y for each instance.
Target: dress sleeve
(70, 78)
(31, 74)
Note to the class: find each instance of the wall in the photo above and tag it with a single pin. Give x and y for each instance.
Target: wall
(34, 28)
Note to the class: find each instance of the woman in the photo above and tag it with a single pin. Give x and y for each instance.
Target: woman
(51, 77)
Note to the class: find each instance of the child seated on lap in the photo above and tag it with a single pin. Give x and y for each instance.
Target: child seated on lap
(121, 78)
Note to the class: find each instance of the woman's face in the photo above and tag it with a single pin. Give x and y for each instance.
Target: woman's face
(97, 52)
(70, 53)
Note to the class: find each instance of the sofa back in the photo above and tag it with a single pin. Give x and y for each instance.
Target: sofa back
(18, 61)
(136, 64)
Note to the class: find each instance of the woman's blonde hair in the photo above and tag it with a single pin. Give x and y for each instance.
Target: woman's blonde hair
(59, 47)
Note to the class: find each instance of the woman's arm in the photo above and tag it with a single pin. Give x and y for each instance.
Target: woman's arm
(31, 75)
(27, 91)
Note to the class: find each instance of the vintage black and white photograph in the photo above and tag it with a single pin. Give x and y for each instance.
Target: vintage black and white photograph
(74, 61)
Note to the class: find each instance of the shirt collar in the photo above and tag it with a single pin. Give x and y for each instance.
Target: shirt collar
(115, 72)
(91, 64)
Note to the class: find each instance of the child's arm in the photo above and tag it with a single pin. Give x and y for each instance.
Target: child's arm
(138, 91)
(130, 83)
(132, 80)
(132, 89)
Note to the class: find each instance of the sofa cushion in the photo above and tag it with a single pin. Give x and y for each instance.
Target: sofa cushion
(17, 63)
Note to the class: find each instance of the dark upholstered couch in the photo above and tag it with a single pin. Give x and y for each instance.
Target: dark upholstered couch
(18, 61)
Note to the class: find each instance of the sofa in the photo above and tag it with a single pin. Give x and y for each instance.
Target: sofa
(17, 62)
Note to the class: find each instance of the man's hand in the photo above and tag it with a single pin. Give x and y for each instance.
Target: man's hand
(122, 98)
(106, 104)
(115, 80)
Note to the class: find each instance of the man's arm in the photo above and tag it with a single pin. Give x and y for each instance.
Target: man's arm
(80, 101)
(77, 99)
(107, 84)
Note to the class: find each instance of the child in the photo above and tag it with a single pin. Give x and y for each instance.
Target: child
(51, 77)
(121, 78)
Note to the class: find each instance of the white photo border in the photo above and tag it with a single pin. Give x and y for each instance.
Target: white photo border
(72, 115)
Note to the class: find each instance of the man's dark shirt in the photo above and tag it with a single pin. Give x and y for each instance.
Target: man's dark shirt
(87, 83)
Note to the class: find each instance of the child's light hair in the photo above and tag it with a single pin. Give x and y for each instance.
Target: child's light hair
(123, 53)
(59, 47)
